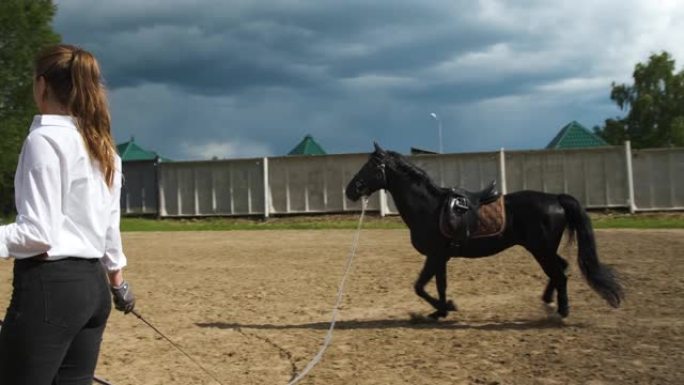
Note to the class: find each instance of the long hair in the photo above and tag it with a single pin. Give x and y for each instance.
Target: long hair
(73, 77)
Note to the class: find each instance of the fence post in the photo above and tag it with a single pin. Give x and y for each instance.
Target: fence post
(630, 177)
(195, 191)
(502, 171)
(142, 199)
(266, 188)
(128, 202)
(384, 210)
(161, 199)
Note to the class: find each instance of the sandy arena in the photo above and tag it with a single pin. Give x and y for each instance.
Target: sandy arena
(254, 307)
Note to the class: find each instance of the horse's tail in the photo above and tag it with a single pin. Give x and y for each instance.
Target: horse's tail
(600, 277)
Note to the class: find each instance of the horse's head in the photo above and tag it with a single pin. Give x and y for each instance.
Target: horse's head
(370, 178)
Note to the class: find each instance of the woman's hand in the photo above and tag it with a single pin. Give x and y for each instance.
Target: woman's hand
(124, 300)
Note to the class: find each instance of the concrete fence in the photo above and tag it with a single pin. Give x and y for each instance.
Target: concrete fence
(606, 177)
(658, 179)
(140, 189)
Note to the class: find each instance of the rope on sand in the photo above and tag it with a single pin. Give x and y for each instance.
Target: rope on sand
(340, 291)
(328, 337)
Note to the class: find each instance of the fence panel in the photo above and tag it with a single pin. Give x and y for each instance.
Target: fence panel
(659, 179)
(223, 187)
(139, 188)
(314, 184)
(596, 177)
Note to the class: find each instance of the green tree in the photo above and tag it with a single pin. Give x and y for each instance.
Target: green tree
(25, 29)
(655, 105)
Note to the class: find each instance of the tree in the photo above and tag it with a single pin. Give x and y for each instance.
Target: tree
(655, 104)
(25, 29)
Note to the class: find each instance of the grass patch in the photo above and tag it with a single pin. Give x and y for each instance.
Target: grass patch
(639, 221)
(332, 222)
(600, 220)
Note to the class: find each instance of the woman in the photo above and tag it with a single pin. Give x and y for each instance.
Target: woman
(67, 188)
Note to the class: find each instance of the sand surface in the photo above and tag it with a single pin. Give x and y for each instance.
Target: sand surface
(254, 307)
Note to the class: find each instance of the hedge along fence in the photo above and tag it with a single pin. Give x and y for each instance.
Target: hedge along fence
(605, 177)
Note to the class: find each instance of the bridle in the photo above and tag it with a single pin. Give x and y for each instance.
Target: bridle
(381, 166)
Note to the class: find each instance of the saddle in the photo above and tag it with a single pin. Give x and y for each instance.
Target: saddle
(466, 214)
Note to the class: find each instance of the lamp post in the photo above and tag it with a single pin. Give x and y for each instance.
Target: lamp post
(439, 128)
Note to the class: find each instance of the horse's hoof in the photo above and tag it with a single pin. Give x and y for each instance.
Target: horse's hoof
(547, 299)
(451, 306)
(437, 315)
(563, 311)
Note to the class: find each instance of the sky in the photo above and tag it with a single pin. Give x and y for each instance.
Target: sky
(250, 78)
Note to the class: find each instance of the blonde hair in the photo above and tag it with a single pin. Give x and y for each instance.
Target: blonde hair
(73, 77)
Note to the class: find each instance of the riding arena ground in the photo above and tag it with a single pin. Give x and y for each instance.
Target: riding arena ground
(254, 306)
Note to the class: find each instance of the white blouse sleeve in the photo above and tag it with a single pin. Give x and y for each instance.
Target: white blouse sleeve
(114, 257)
(38, 191)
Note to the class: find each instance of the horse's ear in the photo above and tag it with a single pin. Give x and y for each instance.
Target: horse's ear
(378, 148)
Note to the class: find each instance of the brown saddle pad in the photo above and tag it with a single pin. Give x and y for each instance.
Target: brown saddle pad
(492, 219)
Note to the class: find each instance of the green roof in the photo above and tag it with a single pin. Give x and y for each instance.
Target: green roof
(130, 151)
(307, 146)
(574, 135)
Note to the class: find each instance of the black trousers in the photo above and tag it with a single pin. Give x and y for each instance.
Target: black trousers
(54, 324)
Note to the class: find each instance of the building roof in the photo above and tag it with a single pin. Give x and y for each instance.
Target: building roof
(574, 135)
(130, 151)
(308, 146)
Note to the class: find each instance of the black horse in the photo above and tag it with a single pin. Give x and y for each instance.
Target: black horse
(534, 220)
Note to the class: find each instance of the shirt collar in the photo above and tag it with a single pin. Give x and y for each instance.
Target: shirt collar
(53, 120)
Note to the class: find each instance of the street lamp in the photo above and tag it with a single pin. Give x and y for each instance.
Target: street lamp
(439, 128)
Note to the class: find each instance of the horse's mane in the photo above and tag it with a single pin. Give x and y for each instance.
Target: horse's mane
(417, 175)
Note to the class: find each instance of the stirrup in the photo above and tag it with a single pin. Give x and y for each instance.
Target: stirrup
(459, 202)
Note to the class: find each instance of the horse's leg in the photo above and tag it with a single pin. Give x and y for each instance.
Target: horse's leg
(426, 275)
(562, 286)
(441, 282)
(554, 266)
(547, 297)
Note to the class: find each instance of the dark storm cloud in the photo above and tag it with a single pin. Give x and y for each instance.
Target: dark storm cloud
(215, 49)
(243, 78)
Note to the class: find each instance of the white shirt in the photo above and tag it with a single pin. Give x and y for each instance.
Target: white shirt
(64, 206)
